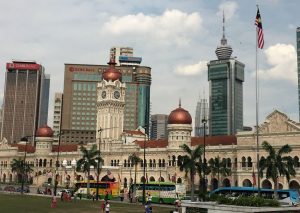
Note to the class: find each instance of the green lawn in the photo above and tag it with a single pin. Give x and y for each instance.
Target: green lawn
(36, 204)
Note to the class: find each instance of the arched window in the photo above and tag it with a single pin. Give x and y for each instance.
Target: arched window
(159, 163)
(125, 163)
(118, 162)
(180, 160)
(50, 162)
(229, 164)
(249, 162)
(112, 163)
(150, 163)
(296, 161)
(243, 162)
(163, 163)
(154, 163)
(115, 163)
(40, 163)
(173, 160)
(45, 163)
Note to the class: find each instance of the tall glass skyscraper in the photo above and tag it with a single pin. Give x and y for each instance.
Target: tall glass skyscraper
(26, 97)
(226, 77)
(298, 65)
(201, 113)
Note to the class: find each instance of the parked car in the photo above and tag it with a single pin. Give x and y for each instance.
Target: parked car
(68, 191)
(9, 189)
(25, 190)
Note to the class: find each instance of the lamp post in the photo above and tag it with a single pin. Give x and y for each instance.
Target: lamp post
(56, 164)
(25, 139)
(144, 164)
(98, 163)
(204, 121)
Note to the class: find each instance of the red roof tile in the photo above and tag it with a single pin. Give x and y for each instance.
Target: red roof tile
(160, 143)
(215, 140)
(21, 148)
(65, 148)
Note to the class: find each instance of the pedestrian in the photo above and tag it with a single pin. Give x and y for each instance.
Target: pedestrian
(106, 195)
(53, 202)
(107, 206)
(149, 198)
(62, 196)
(103, 207)
(93, 196)
(75, 198)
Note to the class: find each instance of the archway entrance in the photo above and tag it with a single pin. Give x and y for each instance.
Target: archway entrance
(214, 184)
(294, 185)
(226, 182)
(266, 184)
(247, 183)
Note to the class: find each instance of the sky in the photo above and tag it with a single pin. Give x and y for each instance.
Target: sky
(176, 38)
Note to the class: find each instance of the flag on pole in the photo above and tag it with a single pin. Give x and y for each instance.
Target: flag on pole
(259, 30)
(254, 178)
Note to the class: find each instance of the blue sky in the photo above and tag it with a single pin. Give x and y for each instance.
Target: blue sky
(175, 37)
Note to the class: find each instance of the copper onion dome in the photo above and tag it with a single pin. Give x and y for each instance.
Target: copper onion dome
(179, 116)
(111, 73)
(44, 131)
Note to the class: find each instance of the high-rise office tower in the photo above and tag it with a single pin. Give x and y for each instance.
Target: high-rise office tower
(201, 114)
(79, 99)
(158, 126)
(25, 106)
(298, 65)
(226, 77)
(58, 101)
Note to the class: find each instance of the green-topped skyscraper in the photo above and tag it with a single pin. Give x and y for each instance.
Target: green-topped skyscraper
(226, 77)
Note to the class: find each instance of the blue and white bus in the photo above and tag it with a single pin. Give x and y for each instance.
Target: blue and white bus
(290, 196)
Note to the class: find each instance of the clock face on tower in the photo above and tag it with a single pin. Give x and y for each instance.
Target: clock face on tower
(117, 94)
(103, 94)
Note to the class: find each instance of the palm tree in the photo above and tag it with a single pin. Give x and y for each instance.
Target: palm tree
(189, 164)
(89, 158)
(219, 167)
(18, 167)
(134, 159)
(276, 165)
(202, 170)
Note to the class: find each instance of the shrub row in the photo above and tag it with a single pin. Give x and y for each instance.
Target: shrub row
(245, 201)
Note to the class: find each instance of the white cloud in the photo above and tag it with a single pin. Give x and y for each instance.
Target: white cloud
(229, 8)
(192, 69)
(283, 61)
(171, 25)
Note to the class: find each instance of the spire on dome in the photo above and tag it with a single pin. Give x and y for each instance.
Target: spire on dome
(179, 102)
(223, 51)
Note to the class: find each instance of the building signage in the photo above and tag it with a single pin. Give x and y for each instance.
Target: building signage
(218, 62)
(81, 69)
(23, 66)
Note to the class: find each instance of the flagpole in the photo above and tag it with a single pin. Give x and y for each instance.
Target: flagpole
(257, 104)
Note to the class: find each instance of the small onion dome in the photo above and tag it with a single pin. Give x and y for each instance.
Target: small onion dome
(111, 73)
(179, 116)
(44, 131)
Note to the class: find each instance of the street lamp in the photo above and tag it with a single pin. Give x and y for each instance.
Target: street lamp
(56, 164)
(25, 139)
(204, 121)
(144, 164)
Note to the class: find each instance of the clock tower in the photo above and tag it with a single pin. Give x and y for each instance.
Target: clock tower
(110, 104)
